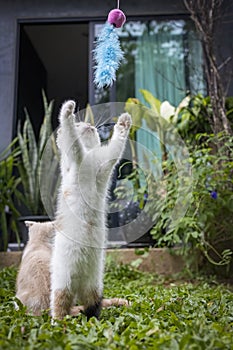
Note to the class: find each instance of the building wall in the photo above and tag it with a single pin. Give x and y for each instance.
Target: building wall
(13, 11)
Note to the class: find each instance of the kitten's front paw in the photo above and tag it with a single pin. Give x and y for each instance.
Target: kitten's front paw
(125, 121)
(67, 109)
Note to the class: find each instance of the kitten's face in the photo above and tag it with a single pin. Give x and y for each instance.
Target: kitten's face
(88, 134)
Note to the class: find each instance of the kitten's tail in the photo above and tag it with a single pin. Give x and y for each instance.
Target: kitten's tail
(75, 310)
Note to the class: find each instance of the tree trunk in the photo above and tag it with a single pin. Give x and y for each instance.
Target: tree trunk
(205, 14)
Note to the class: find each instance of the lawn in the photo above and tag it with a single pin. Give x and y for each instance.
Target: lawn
(164, 314)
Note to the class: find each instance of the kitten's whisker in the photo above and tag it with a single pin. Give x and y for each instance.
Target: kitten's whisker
(77, 114)
(98, 122)
(103, 121)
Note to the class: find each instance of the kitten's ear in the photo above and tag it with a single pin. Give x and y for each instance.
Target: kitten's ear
(29, 223)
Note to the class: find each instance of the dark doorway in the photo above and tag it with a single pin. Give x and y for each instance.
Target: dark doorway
(53, 57)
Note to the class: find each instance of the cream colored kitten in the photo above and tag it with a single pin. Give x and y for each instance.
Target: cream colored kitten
(79, 248)
(33, 280)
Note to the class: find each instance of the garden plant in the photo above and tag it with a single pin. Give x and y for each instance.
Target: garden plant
(30, 166)
(9, 183)
(204, 232)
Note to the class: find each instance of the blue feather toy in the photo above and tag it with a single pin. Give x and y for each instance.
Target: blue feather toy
(108, 53)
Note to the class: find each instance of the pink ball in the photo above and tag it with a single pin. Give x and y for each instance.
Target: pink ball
(117, 18)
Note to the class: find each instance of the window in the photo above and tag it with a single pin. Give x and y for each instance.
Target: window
(163, 57)
(53, 57)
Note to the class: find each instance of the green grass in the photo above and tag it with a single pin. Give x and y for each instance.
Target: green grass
(165, 314)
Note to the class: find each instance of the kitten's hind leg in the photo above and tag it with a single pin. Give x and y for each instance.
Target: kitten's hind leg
(94, 309)
(61, 304)
(92, 302)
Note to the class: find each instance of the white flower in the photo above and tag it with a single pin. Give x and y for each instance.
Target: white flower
(167, 110)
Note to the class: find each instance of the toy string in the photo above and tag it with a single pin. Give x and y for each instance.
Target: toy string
(118, 4)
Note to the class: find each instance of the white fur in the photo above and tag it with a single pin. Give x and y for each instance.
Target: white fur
(86, 168)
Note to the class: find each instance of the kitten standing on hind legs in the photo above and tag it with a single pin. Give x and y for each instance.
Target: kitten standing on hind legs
(77, 265)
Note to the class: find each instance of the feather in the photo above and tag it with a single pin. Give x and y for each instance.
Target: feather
(107, 55)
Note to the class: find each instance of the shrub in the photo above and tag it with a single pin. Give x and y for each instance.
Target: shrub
(207, 225)
(203, 192)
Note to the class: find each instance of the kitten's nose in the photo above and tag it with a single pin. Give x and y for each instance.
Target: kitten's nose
(89, 126)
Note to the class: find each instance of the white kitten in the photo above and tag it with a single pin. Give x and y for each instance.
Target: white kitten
(78, 256)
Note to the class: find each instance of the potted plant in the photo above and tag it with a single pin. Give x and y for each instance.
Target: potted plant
(30, 166)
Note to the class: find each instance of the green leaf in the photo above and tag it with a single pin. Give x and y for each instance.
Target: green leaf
(89, 116)
(32, 150)
(154, 103)
(135, 109)
(4, 230)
